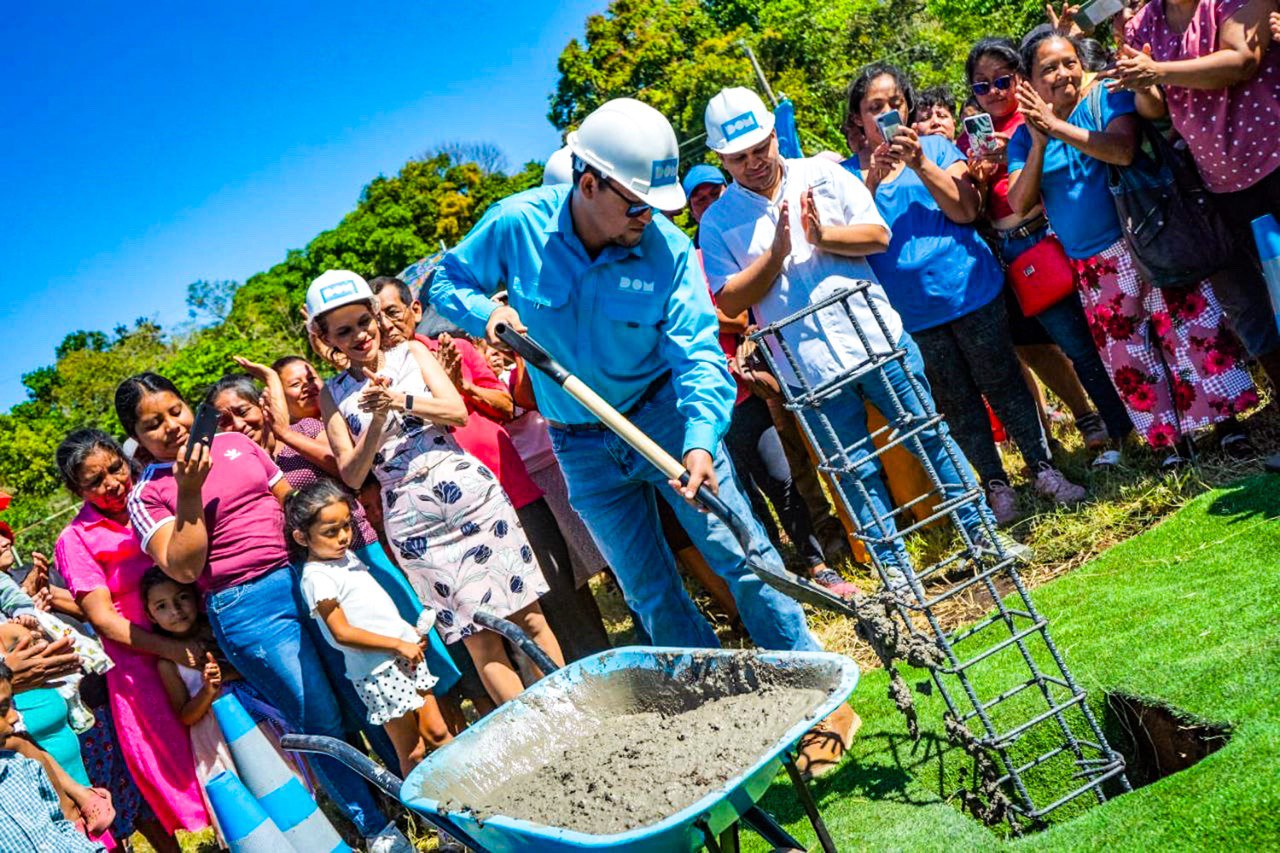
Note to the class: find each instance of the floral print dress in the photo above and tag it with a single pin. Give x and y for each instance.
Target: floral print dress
(1175, 362)
(451, 526)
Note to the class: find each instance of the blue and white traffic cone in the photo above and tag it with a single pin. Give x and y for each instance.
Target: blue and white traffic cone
(1266, 233)
(245, 825)
(269, 778)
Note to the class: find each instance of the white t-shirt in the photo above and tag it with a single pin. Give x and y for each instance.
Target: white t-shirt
(365, 604)
(739, 227)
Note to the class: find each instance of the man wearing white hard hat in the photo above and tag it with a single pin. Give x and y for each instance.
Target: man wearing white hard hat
(559, 168)
(615, 293)
(789, 233)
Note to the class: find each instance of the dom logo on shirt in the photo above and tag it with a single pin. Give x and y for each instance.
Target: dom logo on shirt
(635, 285)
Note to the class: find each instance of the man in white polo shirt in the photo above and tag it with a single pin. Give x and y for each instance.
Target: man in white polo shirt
(787, 234)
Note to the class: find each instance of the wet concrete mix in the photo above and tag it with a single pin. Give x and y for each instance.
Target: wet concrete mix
(613, 772)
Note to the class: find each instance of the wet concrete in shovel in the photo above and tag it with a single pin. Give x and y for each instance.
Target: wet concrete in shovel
(640, 755)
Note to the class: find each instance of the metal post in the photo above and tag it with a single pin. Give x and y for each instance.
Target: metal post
(755, 64)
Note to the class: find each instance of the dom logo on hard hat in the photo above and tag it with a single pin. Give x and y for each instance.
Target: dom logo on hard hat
(665, 172)
(338, 289)
(738, 125)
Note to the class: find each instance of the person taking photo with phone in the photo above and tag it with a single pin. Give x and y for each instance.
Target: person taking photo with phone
(1023, 241)
(945, 283)
(208, 511)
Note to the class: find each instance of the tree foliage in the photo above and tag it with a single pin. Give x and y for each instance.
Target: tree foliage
(398, 220)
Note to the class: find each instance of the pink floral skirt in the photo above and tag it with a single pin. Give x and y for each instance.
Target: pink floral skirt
(1174, 360)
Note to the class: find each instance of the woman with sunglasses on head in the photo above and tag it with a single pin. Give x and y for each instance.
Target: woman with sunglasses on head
(1169, 351)
(945, 283)
(993, 73)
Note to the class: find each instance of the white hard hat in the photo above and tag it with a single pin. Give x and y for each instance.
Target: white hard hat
(634, 144)
(559, 168)
(333, 289)
(736, 119)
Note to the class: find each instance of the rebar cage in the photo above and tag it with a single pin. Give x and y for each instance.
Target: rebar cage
(1034, 734)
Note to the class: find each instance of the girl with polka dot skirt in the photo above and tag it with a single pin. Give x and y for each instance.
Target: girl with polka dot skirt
(384, 655)
(451, 527)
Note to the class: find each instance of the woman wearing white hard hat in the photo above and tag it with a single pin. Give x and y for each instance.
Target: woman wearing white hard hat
(456, 534)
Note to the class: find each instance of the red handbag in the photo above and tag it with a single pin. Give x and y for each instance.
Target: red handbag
(1041, 276)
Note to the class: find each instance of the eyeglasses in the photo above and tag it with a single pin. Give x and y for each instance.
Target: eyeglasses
(1004, 84)
(635, 209)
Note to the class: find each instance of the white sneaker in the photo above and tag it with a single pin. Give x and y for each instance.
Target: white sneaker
(389, 840)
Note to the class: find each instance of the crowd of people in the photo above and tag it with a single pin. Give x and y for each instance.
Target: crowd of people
(325, 556)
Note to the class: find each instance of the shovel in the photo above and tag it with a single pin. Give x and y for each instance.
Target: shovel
(787, 583)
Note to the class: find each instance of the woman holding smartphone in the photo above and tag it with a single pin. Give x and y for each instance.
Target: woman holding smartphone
(945, 282)
(210, 514)
(993, 71)
(1169, 351)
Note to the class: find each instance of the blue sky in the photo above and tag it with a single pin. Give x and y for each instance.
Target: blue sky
(150, 145)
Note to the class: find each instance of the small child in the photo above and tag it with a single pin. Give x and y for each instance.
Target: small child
(383, 652)
(172, 608)
(29, 805)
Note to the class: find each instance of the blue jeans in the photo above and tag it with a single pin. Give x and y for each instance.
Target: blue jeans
(264, 636)
(1066, 326)
(615, 491)
(847, 415)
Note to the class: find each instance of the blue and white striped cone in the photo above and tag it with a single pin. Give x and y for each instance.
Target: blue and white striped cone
(245, 825)
(269, 778)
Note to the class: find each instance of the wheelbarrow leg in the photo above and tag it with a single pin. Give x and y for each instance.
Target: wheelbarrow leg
(388, 782)
(810, 807)
(708, 838)
(768, 829)
(729, 839)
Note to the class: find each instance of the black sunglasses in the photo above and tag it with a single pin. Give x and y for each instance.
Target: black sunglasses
(635, 209)
(984, 88)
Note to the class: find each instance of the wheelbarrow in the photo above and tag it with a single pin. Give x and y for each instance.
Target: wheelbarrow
(535, 728)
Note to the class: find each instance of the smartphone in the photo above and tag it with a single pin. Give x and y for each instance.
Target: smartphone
(889, 122)
(1097, 12)
(981, 130)
(206, 424)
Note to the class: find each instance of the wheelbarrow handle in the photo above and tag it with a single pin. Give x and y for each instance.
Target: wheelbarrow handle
(783, 581)
(523, 641)
(387, 782)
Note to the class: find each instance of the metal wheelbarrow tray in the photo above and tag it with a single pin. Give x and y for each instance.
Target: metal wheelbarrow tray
(573, 706)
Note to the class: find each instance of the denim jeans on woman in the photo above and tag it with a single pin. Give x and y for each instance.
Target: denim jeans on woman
(615, 490)
(1066, 326)
(264, 635)
(972, 357)
(847, 414)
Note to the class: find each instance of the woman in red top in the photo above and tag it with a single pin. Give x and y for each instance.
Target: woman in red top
(994, 70)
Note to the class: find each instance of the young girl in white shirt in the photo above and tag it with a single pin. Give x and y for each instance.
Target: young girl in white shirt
(383, 653)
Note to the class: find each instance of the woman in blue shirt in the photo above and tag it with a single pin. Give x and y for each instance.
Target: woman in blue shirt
(1170, 353)
(945, 282)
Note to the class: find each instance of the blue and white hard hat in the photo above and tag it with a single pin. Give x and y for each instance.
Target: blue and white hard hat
(736, 119)
(334, 289)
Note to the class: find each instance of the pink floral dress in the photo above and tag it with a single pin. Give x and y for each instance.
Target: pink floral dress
(1174, 360)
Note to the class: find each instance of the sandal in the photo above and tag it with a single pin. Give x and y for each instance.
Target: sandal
(97, 811)
(1237, 445)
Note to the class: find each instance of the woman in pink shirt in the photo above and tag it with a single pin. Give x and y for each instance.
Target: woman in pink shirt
(102, 563)
(214, 518)
(1221, 84)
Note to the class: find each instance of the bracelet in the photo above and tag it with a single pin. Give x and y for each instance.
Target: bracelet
(408, 403)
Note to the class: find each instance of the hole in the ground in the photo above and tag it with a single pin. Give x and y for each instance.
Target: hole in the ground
(1155, 741)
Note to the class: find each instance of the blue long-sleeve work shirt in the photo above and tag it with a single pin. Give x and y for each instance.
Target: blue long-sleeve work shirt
(618, 322)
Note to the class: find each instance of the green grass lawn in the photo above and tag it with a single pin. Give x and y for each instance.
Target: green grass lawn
(1185, 615)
